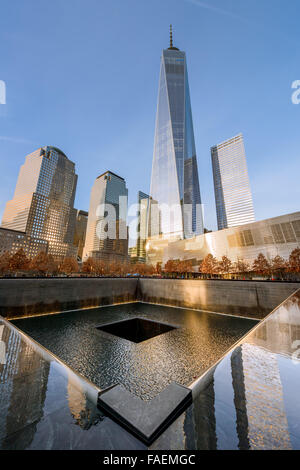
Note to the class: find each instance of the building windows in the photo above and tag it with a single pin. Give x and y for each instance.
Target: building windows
(288, 232)
(296, 227)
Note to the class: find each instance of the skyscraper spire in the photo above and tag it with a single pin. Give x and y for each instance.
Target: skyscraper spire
(172, 48)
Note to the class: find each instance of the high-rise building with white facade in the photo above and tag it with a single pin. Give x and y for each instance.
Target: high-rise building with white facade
(43, 203)
(174, 182)
(233, 195)
(106, 235)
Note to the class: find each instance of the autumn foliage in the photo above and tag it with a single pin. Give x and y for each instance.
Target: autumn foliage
(44, 264)
(69, 266)
(261, 265)
(178, 267)
(294, 261)
(209, 265)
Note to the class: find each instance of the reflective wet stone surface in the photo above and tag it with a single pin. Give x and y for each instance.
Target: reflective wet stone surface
(250, 400)
(43, 405)
(195, 342)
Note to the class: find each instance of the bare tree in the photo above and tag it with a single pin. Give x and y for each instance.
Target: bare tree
(158, 268)
(171, 266)
(4, 262)
(19, 261)
(278, 265)
(294, 261)
(99, 267)
(43, 263)
(261, 265)
(241, 266)
(209, 265)
(69, 266)
(88, 266)
(225, 265)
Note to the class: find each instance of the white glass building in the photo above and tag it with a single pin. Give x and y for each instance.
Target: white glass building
(174, 182)
(233, 195)
(277, 236)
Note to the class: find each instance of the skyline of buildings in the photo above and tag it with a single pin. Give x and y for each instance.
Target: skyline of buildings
(41, 215)
(233, 195)
(174, 179)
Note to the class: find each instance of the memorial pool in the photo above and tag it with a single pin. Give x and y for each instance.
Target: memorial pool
(189, 343)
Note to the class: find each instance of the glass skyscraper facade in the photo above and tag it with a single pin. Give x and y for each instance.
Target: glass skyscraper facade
(107, 235)
(43, 203)
(174, 182)
(233, 195)
(144, 203)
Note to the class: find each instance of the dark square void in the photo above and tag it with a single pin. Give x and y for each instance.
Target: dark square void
(136, 329)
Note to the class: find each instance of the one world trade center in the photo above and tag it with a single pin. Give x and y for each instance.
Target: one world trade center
(174, 181)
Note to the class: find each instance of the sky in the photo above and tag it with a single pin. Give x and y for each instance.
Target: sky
(82, 75)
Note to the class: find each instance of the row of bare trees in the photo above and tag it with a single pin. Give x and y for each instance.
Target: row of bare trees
(44, 264)
(102, 268)
(261, 265)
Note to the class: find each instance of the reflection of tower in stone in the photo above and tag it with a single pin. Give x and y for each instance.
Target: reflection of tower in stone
(267, 422)
(84, 412)
(22, 364)
(43, 203)
(205, 419)
(238, 383)
(174, 181)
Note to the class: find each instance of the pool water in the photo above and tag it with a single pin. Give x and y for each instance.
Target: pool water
(188, 344)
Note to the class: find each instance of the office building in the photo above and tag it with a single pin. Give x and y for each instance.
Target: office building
(12, 241)
(107, 234)
(80, 231)
(43, 202)
(233, 195)
(174, 182)
(144, 202)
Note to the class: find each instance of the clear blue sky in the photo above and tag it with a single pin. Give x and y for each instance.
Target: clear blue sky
(82, 75)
